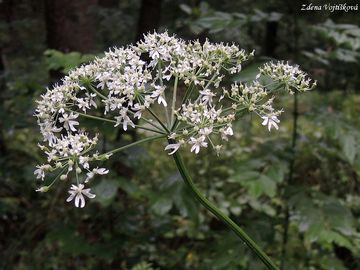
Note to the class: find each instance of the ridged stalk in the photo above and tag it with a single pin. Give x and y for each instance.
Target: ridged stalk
(221, 216)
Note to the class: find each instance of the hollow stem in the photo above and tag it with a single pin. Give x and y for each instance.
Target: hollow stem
(221, 216)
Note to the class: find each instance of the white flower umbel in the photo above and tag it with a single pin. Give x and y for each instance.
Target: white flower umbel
(291, 76)
(127, 88)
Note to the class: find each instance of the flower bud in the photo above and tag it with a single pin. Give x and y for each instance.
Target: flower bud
(42, 189)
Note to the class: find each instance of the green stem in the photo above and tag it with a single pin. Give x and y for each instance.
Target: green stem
(288, 182)
(113, 121)
(150, 129)
(174, 101)
(221, 216)
(96, 91)
(162, 84)
(134, 143)
(158, 120)
(92, 116)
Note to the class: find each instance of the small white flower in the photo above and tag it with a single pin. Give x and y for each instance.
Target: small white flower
(84, 161)
(162, 100)
(90, 175)
(270, 121)
(68, 121)
(158, 93)
(40, 171)
(227, 132)
(52, 155)
(138, 108)
(197, 143)
(100, 171)
(78, 193)
(172, 146)
(125, 120)
(206, 131)
(207, 96)
(47, 130)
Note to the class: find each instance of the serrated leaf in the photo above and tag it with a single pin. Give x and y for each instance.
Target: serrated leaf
(330, 237)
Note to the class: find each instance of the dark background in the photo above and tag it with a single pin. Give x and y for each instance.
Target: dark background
(296, 191)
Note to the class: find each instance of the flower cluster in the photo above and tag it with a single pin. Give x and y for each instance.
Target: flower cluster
(291, 76)
(157, 72)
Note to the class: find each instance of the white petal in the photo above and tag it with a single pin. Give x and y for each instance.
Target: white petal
(162, 100)
(87, 193)
(71, 197)
(125, 125)
(77, 198)
(272, 123)
(101, 171)
(174, 146)
(193, 148)
(82, 201)
(266, 120)
(275, 119)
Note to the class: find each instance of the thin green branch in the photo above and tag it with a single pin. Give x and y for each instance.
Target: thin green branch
(96, 91)
(134, 143)
(157, 130)
(59, 174)
(221, 216)
(174, 101)
(150, 129)
(286, 221)
(164, 96)
(158, 120)
(93, 117)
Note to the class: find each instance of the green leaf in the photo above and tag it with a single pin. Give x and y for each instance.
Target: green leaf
(130, 188)
(64, 62)
(313, 232)
(268, 186)
(162, 205)
(187, 204)
(349, 147)
(249, 72)
(186, 9)
(106, 191)
(277, 172)
(244, 176)
(330, 263)
(330, 237)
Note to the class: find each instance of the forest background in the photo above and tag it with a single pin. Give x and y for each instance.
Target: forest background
(296, 191)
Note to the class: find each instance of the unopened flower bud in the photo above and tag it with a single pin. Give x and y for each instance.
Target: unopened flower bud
(42, 189)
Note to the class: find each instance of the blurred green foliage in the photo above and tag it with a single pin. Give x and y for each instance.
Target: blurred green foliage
(143, 218)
